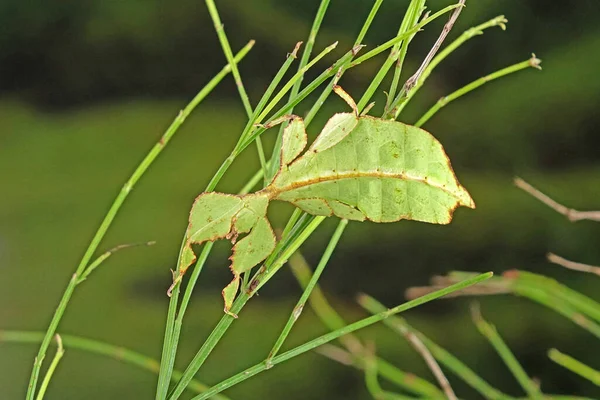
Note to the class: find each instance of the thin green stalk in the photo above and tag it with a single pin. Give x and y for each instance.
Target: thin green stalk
(214, 14)
(172, 338)
(269, 270)
(294, 227)
(400, 38)
(60, 351)
(336, 70)
(262, 366)
(277, 98)
(309, 287)
(520, 283)
(410, 83)
(175, 318)
(37, 363)
(575, 366)
(468, 34)
(410, 19)
(457, 367)
(549, 300)
(372, 382)
(420, 348)
(167, 359)
(105, 349)
(332, 320)
(104, 256)
(312, 36)
(343, 64)
(296, 214)
(262, 276)
(532, 62)
(581, 302)
(491, 334)
(408, 381)
(368, 21)
(403, 49)
(114, 209)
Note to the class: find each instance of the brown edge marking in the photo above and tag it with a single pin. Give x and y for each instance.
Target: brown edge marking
(226, 310)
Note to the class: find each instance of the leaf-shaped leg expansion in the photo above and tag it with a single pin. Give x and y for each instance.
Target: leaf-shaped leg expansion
(217, 216)
(248, 252)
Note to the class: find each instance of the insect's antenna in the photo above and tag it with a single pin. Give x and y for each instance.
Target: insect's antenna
(346, 97)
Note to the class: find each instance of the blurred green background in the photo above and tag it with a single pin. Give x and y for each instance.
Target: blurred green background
(86, 88)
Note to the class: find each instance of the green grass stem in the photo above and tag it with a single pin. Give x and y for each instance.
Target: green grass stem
(452, 363)
(446, 51)
(410, 19)
(403, 48)
(310, 43)
(113, 211)
(262, 276)
(491, 334)
(262, 366)
(308, 290)
(216, 19)
(332, 320)
(60, 351)
(372, 382)
(575, 366)
(117, 353)
(532, 62)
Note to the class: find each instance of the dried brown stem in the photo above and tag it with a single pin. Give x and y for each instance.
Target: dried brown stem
(563, 262)
(431, 363)
(412, 81)
(571, 214)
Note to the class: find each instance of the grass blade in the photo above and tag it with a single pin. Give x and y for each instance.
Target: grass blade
(60, 351)
(332, 320)
(491, 334)
(312, 37)
(114, 209)
(252, 371)
(533, 62)
(118, 353)
(575, 366)
(308, 290)
(457, 367)
(468, 34)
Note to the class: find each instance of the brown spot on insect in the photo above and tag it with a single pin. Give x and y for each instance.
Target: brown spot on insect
(253, 286)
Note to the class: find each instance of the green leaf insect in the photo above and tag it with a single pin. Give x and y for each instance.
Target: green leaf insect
(358, 168)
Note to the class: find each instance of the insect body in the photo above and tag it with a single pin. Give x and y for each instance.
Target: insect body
(358, 168)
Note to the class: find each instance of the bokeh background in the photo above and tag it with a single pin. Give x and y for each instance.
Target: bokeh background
(86, 88)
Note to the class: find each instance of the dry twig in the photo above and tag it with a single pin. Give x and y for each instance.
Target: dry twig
(563, 262)
(571, 214)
